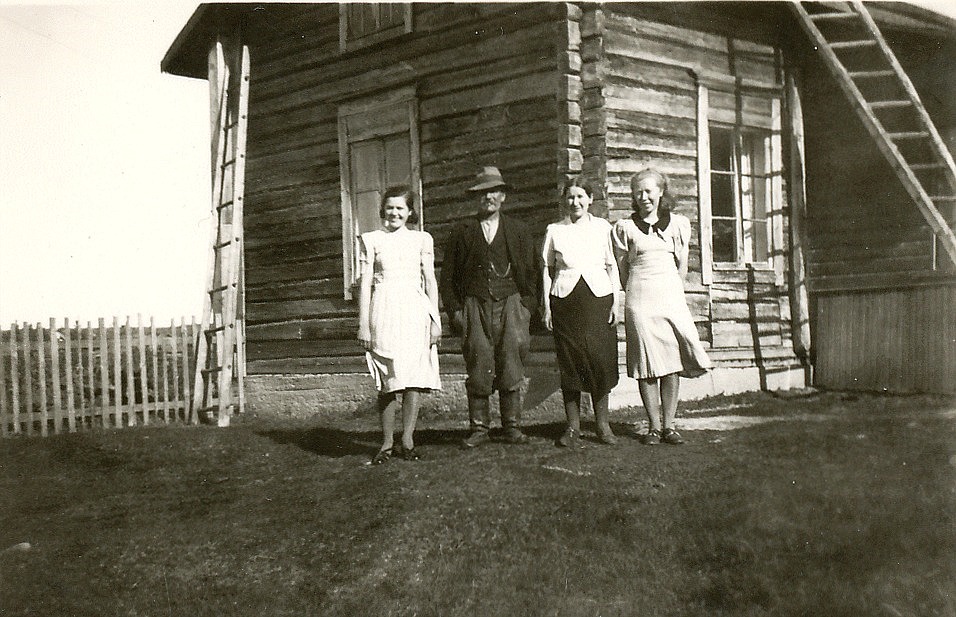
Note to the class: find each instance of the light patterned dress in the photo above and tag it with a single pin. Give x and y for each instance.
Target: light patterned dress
(661, 336)
(400, 315)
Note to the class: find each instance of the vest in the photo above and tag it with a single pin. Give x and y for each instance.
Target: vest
(495, 281)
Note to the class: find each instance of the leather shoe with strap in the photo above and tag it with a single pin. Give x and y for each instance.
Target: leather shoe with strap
(476, 439)
(514, 436)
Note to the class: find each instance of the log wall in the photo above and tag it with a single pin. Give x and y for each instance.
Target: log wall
(488, 85)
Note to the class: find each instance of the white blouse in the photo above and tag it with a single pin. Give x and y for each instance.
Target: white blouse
(582, 249)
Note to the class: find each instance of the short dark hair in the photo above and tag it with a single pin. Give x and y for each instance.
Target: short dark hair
(577, 181)
(404, 191)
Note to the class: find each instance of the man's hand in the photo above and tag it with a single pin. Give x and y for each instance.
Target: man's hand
(435, 334)
(458, 322)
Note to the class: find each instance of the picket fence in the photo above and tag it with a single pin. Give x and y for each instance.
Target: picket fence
(58, 379)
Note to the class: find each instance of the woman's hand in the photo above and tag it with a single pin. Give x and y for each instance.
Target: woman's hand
(435, 334)
(365, 338)
(548, 323)
(612, 318)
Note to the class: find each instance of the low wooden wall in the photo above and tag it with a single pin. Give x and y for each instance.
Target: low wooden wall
(895, 340)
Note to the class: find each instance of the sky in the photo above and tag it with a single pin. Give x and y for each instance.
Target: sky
(104, 165)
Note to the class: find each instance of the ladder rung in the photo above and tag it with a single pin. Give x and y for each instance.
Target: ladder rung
(215, 369)
(943, 197)
(889, 104)
(908, 135)
(868, 74)
(832, 15)
(228, 163)
(222, 244)
(215, 329)
(219, 289)
(224, 205)
(921, 166)
(852, 44)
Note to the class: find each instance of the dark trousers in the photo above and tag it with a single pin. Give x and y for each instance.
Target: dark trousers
(495, 343)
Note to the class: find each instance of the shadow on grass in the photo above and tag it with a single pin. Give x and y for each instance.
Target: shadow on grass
(334, 442)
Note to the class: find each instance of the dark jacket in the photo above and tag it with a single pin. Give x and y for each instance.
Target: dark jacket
(463, 255)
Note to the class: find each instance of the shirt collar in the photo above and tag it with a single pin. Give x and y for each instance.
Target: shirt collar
(663, 220)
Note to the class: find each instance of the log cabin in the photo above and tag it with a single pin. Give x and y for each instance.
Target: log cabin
(811, 263)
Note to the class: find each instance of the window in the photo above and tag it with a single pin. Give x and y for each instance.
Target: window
(740, 175)
(378, 148)
(365, 23)
(740, 193)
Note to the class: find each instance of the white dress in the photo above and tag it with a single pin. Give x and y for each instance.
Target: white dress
(400, 315)
(661, 336)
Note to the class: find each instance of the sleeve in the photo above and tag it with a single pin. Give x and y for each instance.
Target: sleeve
(547, 251)
(682, 239)
(619, 241)
(428, 251)
(366, 249)
(609, 258)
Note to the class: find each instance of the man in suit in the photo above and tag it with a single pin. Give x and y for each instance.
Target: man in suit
(488, 288)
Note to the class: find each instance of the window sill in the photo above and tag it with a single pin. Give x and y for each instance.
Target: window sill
(730, 266)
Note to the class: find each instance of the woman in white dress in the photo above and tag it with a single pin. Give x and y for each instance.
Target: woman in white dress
(662, 340)
(399, 326)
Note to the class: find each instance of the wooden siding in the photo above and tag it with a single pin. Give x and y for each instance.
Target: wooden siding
(640, 109)
(901, 340)
(488, 79)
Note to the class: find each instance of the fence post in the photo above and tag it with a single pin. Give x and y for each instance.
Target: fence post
(55, 369)
(117, 374)
(184, 339)
(28, 374)
(41, 378)
(104, 374)
(4, 410)
(15, 376)
(155, 345)
(90, 377)
(143, 376)
(68, 358)
(130, 384)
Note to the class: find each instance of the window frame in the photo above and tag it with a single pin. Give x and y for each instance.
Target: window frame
(403, 98)
(775, 203)
(346, 44)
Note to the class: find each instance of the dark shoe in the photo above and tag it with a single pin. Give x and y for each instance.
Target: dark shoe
(672, 437)
(383, 456)
(411, 454)
(570, 439)
(515, 437)
(652, 438)
(606, 436)
(477, 438)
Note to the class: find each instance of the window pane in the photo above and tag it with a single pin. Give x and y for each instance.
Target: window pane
(721, 148)
(725, 240)
(722, 195)
(761, 241)
(398, 162)
(366, 211)
(754, 155)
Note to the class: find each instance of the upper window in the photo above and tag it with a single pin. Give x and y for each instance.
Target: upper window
(378, 148)
(365, 23)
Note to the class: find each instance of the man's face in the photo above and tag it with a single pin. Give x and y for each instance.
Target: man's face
(490, 200)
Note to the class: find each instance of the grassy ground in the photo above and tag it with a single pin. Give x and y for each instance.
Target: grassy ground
(848, 511)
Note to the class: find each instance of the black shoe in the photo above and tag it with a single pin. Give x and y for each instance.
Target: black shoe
(515, 437)
(477, 438)
(672, 437)
(382, 456)
(652, 438)
(411, 454)
(570, 439)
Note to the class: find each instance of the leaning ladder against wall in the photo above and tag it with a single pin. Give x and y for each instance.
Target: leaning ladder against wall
(885, 99)
(220, 350)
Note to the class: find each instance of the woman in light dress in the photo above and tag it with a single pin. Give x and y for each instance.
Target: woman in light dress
(399, 326)
(662, 340)
(581, 282)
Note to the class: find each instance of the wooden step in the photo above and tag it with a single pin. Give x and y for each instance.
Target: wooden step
(908, 135)
(890, 104)
(925, 166)
(832, 15)
(852, 44)
(871, 74)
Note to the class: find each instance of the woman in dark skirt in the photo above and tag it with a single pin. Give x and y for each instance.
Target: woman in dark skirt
(581, 279)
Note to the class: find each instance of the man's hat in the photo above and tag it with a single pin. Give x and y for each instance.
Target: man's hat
(488, 178)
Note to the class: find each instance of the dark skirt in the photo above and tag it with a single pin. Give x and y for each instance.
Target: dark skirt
(586, 344)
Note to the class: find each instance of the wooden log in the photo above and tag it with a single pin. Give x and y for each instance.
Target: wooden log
(41, 378)
(173, 338)
(130, 406)
(294, 290)
(55, 372)
(15, 377)
(27, 335)
(117, 353)
(299, 309)
(143, 375)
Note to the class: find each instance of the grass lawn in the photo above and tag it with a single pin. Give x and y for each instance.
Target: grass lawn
(849, 510)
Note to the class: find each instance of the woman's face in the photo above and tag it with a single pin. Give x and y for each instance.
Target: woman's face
(578, 202)
(646, 196)
(396, 213)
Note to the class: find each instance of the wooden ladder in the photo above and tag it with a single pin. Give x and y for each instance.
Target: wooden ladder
(220, 350)
(883, 96)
